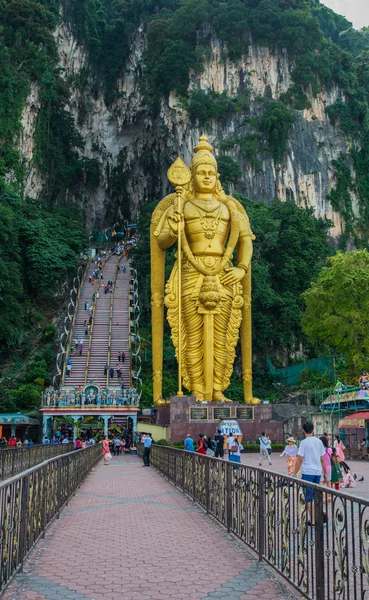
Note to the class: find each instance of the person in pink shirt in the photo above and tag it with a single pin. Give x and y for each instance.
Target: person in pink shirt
(327, 458)
(339, 448)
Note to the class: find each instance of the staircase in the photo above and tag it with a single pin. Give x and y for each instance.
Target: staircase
(110, 326)
(120, 326)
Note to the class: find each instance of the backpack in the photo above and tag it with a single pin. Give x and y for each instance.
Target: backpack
(206, 446)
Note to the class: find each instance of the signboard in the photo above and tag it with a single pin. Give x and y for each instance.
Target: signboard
(229, 427)
(198, 413)
(351, 423)
(244, 412)
(222, 413)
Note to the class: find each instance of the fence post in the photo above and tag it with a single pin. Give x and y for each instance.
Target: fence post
(207, 484)
(13, 461)
(319, 544)
(229, 496)
(194, 477)
(261, 515)
(24, 518)
(183, 471)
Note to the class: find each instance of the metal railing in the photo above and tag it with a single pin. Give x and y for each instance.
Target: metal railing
(31, 500)
(15, 460)
(270, 513)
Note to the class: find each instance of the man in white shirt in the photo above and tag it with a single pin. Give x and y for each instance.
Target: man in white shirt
(230, 443)
(310, 458)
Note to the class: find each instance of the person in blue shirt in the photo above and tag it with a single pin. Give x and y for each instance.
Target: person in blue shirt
(147, 441)
(188, 444)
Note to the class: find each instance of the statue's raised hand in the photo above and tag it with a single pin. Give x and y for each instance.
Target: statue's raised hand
(176, 221)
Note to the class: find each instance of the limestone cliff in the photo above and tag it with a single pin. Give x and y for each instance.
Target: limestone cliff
(134, 149)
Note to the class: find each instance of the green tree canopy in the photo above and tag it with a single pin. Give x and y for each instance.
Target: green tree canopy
(337, 307)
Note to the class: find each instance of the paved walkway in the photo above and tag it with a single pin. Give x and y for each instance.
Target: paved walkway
(129, 534)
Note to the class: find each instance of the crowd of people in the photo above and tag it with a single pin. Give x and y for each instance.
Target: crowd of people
(14, 442)
(324, 462)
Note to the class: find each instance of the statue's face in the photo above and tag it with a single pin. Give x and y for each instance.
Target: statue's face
(205, 179)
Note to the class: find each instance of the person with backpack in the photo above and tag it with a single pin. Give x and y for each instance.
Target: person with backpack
(219, 450)
(263, 441)
(201, 449)
(235, 451)
(210, 451)
(230, 443)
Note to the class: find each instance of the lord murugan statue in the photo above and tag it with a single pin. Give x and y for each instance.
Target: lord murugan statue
(208, 293)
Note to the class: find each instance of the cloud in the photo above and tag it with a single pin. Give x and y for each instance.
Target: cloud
(356, 11)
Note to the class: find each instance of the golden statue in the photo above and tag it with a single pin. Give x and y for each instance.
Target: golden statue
(207, 298)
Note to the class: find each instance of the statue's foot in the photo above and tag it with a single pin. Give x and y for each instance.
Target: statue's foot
(199, 396)
(220, 397)
(253, 401)
(160, 402)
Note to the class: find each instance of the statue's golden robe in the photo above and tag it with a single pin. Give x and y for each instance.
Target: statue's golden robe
(211, 311)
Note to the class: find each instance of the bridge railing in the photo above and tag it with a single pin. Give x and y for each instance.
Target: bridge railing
(328, 560)
(31, 500)
(15, 460)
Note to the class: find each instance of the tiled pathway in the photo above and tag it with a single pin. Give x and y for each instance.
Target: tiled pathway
(129, 534)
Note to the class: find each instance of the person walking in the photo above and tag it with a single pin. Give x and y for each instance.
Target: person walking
(263, 443)
(116, 446)
(219, 450)
(118, 370)
(69, 368)
(235, 452)
(147, 449)
(290, 452)
(123, 357)
(201, 445)
(338, 445)
(119, 356)
(310, 459)
(111, 373)
(336, 473)
(188, 444)
(106, 450)
(230, 443)
(269, 445)
(327, 458)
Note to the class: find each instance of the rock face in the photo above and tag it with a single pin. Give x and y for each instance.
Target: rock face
(135, 150)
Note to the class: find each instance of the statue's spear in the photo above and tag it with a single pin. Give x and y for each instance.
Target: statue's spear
(179, 175)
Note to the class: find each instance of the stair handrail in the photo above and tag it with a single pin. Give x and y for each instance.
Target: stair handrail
(106, 259)
(76, 304)
(92, 327)
(111, 320)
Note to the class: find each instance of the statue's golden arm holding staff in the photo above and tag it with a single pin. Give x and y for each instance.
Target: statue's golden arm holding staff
(215, 295)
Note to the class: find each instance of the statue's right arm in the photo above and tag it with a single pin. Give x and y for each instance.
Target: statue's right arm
(166, 237)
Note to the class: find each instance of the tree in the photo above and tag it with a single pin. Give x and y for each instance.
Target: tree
(337, 307)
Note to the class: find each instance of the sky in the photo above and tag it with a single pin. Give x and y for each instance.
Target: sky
(356, 11)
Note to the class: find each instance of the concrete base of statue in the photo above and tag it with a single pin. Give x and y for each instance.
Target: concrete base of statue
(184, 415)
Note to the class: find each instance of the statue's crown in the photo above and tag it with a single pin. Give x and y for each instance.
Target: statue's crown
(203, 154)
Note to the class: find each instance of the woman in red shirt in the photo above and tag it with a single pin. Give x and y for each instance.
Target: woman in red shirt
(12, 442)
(201, 444)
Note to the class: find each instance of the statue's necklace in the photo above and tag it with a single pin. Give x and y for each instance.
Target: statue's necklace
(209, 223)
(207, 206)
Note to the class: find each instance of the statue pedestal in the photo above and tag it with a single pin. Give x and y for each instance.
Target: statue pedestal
(184, 415)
